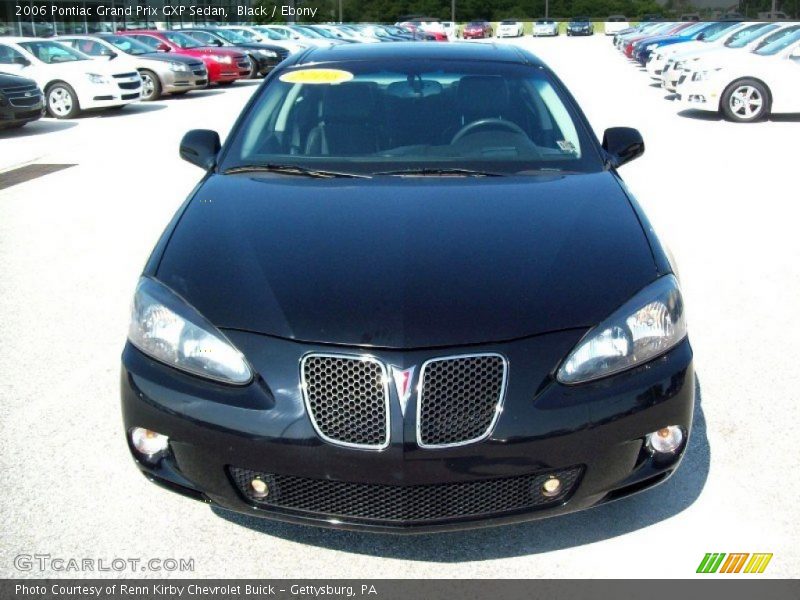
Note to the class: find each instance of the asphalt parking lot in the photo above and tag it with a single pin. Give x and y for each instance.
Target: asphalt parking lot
(72, 244)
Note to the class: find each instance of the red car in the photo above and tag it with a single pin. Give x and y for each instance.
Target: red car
(477, 30)
(224, 65)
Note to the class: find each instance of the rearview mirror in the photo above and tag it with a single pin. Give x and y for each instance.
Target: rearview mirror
(622, 144)
(200, 147)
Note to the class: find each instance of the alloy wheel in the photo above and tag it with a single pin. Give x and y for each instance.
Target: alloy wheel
(148, 87)
(60, 101)
(746, 102)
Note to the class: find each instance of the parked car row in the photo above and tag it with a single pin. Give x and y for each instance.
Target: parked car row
(744, 70)
(65, 75)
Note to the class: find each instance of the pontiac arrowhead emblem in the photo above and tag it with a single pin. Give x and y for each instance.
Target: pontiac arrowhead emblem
(402, 383)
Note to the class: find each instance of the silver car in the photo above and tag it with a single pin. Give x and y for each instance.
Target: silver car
(161, 73)
(545, 27)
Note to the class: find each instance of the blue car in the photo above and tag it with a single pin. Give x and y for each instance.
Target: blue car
(701, 31)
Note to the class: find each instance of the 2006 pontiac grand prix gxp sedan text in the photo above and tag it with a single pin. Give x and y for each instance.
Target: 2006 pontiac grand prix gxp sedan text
(410, 293)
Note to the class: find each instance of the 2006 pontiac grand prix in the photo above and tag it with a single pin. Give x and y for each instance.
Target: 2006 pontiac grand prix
(410, 293)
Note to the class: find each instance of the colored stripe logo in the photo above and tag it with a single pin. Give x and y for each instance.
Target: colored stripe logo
(737, 562)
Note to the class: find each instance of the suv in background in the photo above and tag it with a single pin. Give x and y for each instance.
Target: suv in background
(21, 101)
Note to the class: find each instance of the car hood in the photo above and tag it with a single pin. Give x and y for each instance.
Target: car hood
(407, 262)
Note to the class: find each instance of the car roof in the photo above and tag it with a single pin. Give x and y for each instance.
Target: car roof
(420, 51)
(18, 39)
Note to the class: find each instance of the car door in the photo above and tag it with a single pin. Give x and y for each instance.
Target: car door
(785, 81)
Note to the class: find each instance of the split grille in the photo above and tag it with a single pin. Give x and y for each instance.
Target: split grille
(348, 399)
(405, 504)
(459, 399)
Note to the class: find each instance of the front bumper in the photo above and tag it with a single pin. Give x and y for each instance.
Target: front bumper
(591, 435)
(698, 95)
(178, 81)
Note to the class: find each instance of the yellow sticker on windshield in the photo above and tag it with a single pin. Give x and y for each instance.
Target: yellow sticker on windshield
(317, 76)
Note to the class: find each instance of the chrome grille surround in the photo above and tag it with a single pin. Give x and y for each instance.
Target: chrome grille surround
(474, 410)
(347, 410)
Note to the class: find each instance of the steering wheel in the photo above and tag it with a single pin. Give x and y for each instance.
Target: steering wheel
(491, 122)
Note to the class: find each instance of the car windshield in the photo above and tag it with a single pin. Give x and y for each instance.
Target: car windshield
(52, 53)
(127, 45)
(322, 31)
(741, 38)
(181, 40)
(718, 30)
(369, 118)
(229, 35)
(305, 31)
(204, 38)
(274, 34)
(780, 40)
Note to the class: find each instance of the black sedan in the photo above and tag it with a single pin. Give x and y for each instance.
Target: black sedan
(264, 57)
(580, 26)
(410, 293)
(21, 101)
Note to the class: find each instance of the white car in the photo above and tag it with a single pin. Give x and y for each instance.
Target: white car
(751, 87)
(262, 33)
(450, 30)
(660, 56)
(545, 27)
(71, 81)
(745, 39)
(509, 28)
(616, 23)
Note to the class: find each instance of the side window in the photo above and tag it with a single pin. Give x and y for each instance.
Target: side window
(92, 48)
(8, 56)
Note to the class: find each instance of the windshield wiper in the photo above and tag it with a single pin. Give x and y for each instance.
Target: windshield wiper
(291, 170)
(437, 171)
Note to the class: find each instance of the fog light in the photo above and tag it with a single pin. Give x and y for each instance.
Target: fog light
(666, 440)
(551, 487)
(148, 443)
(260, 488)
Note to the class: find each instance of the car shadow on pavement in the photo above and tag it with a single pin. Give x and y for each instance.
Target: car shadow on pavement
(603, 522)
(193, 94)
(701, 115)
(138, 108)
(37, 128)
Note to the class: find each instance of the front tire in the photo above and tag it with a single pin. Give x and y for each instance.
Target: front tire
(151, 86)
(62, 101)
(254, 69)
(745, 101)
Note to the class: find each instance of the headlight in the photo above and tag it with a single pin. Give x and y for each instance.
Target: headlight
(269, 53)
(643, 328)
(176, 66)
(165, 327)
(222, 59)
(704, 75)
(96, 78)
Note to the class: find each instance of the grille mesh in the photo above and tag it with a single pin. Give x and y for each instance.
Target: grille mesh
(347, 399)
(459, 398)
(406, 504)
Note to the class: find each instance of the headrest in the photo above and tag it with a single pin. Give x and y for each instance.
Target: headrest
(481, 96)
(352, 101)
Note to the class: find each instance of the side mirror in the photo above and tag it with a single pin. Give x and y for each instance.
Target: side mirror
(701, 36)
(622, 144)
(200, 147)
(21, 61)
(795, 53)
(112, 55)
(162, 47)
